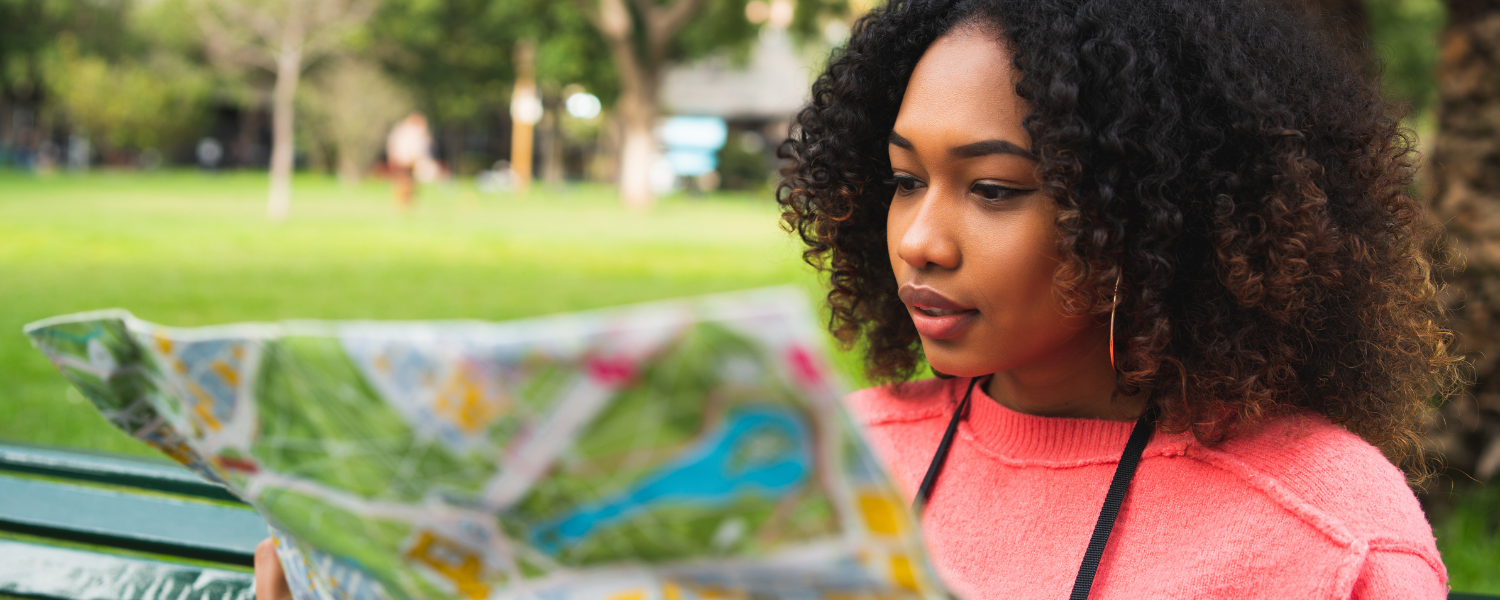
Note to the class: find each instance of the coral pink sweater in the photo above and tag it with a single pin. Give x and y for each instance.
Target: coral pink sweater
(1295, 508)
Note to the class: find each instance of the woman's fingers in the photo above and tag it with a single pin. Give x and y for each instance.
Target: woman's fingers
(270, 581)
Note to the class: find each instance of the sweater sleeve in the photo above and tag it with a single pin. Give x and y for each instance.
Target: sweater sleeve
(1398, 575)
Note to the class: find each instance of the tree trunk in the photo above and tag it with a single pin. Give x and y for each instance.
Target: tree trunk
(350, 166)
(7, 118)
(640, 82)
(552, 140)
(637, 147)
(248, 136)
(1466, 168)
(288, 71)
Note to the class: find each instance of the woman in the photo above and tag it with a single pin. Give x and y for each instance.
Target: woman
(1185, 220)
(1182, 221)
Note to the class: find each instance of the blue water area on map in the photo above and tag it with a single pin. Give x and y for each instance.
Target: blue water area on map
(760, 451)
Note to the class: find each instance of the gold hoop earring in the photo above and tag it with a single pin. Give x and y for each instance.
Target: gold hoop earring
(1112, 305)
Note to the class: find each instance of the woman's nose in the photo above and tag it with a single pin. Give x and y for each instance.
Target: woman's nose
(929, 239)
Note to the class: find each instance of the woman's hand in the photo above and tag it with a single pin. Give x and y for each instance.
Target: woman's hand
(270, 581)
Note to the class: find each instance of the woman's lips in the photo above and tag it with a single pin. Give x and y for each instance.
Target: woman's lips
(935, 316)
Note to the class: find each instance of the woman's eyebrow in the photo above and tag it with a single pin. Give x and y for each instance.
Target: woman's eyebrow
(972, 150)
(988, 147)
(900, 142)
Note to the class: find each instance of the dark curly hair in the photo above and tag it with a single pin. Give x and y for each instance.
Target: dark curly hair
(1237, 168)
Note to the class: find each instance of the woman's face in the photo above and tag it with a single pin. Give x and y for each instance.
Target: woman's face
(972, 242)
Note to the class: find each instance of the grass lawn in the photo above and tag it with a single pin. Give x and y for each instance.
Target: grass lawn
(193, 249)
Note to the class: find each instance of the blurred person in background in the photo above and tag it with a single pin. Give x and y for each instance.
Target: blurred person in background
(408, 145)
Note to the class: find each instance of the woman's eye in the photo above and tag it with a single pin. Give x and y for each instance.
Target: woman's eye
(992, 191)
(907, 183)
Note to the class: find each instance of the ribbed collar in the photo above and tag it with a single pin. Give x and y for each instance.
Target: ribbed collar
(1027, 438)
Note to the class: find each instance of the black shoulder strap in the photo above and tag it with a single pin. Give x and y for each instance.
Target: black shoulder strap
(924, 492)
(1129, 459)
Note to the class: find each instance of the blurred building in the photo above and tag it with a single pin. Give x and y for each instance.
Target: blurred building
(770, 88)
(756, 99)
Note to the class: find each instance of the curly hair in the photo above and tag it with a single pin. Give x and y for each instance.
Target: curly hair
(1236, 168)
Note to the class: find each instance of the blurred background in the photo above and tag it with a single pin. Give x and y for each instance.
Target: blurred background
(205, 161)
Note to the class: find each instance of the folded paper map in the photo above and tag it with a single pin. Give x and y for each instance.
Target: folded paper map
(676, 450)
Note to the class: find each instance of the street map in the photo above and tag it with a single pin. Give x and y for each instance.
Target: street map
(667, 451)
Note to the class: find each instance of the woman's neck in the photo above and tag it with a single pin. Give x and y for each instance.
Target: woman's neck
(1078, 387)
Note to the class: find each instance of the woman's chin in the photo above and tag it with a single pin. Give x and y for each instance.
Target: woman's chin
(953, 360)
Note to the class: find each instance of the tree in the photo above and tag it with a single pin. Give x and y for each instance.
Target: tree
(1466, 170)
(454, 56)
(457, 57)
(647, 36)
(30, 32)
(155, 103)
(640, 36)
(640, 79)
(351, 104)
(1404, 36)
(283, 37)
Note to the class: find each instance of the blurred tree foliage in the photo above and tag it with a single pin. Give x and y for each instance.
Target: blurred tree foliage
(1466, 174)
(168, 27)
(350, 105)
(743, 163)
(30, 30)
(111, 70)
(283, 38)
(1404, 36)
(456, 55)
(156, 101)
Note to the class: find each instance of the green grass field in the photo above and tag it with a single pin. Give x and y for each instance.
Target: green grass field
(193, 249)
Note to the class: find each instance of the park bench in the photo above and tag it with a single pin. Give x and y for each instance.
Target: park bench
(80, 526)
(84, 526)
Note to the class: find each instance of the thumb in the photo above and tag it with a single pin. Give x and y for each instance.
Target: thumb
(270, 580)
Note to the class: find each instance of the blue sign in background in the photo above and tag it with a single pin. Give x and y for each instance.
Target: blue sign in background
(693, 144)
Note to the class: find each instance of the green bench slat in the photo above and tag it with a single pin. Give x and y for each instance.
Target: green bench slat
(149, 523)
(115, 470)
(43, 571)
